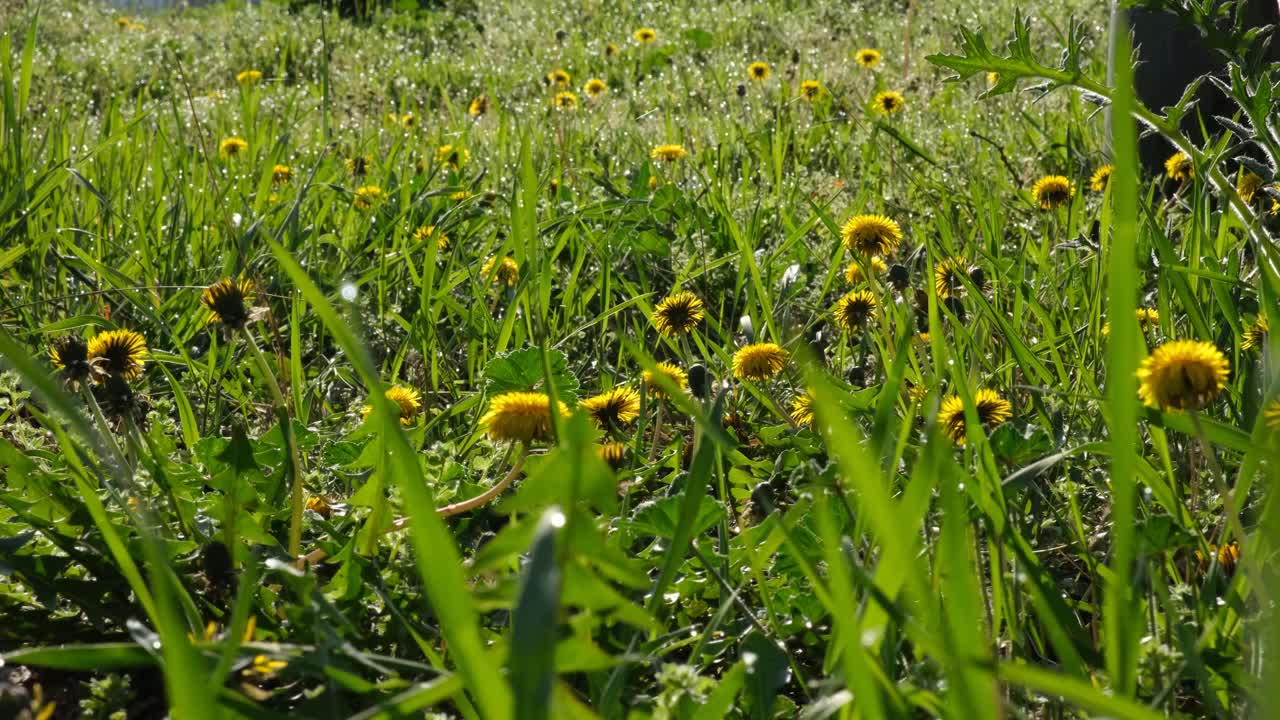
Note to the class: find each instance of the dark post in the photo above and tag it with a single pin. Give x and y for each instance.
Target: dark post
(1171, 54)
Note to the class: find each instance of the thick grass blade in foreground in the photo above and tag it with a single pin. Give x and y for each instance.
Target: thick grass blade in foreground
(1123, 608)
(436, 555)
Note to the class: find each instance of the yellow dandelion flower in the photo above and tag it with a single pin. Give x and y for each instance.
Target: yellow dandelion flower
(1101, 178)
(868, 57)
(677, 314)
(1272, 415)
(426, 231)
(614, 407)
(358, 165)
(1183, 375)
(119, 353)
(646, 36)
(264, 666)
(871, 235)
(759, 71)
(506, 272)
(210, 628)
(668, 153)
(992, 411)
(459, 195)
(281, 174)
(40, 708)
(248, 77)
(854, 275)
(1228, 556)
(123, 22)
(670, 371)
(70, 356)
(1052, 191)
(613, 453)
(1179, 167)
(478, 107)
(888, 102)
(559, 78)
(946, 277)
(810, 89)
(408, 402)
(1147, 318)
(1248, 184)
(611, 50)
(802, 409)
(565, 100)
(1255, 336)
(522, 416)
(319, 506)
(595, 87)
(917, 393)
(229, 302)
(232, 147)
(367, 196)
(452, 157)
(854, 310)
(759, 361)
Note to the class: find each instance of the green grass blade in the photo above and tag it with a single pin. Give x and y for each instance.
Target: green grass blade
(534, 631)
(1122, 613)
(435, 553)
(1078, 692)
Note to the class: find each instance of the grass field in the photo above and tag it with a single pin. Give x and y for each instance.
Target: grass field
(580, 359)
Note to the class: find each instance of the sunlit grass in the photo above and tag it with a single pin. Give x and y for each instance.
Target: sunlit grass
(715, 392)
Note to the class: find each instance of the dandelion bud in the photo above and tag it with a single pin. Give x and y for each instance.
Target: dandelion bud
(858, 376)
(899, 277)
(978, 277)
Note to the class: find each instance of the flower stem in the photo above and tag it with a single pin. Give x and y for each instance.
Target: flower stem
(291, 443)
(1248, 559)
(108, 438)
(778, 406)
(657, 432)
(484, 497)
(318, 555)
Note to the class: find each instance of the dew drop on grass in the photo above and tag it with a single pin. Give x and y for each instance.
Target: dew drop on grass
(556, 519)
(348, 292)
(869, 637)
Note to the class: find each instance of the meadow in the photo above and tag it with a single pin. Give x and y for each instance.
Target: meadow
(597, 360)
